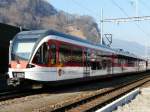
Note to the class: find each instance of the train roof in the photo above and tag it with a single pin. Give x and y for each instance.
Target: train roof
(42, 33)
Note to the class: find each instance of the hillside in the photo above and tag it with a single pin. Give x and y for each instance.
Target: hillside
(39, 14)
(133, 47)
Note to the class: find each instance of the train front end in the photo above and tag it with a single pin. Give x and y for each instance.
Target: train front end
(21, 49)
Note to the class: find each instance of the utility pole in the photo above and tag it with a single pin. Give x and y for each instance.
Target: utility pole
(137, 8)
(101, 22)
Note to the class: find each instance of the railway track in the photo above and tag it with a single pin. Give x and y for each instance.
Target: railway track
(79, 98)
(99, 99)
(18, 94)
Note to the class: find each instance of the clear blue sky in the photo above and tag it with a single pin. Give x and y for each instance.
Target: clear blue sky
(125, 31)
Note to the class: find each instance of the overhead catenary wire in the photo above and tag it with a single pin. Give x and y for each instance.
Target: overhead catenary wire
(124, 12)
(117, 5)
(121, 9)
(138, 26)
(142, 3)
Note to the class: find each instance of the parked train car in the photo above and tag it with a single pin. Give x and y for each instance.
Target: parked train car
(47, 56)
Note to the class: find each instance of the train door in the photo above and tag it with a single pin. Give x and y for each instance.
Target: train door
(109, 66)
(87, 67)
(113, 62)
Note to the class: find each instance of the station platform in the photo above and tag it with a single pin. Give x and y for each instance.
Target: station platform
(137, 100)
(141, 103)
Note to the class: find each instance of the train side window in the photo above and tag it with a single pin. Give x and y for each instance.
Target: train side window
(53, 53)
(76, 57)
(41, 56)
(70, 55)
(45, 53)
(36, 58)
(96, 61)
(130, 62)
(64, 54)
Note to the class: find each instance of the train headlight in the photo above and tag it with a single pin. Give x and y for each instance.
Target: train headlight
(30, 66)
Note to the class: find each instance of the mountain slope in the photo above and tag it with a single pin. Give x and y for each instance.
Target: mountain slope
(39, 14)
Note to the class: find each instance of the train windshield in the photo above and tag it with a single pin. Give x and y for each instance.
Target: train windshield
(22, 47)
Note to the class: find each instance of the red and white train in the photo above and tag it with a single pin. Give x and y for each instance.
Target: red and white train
(47, 56)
